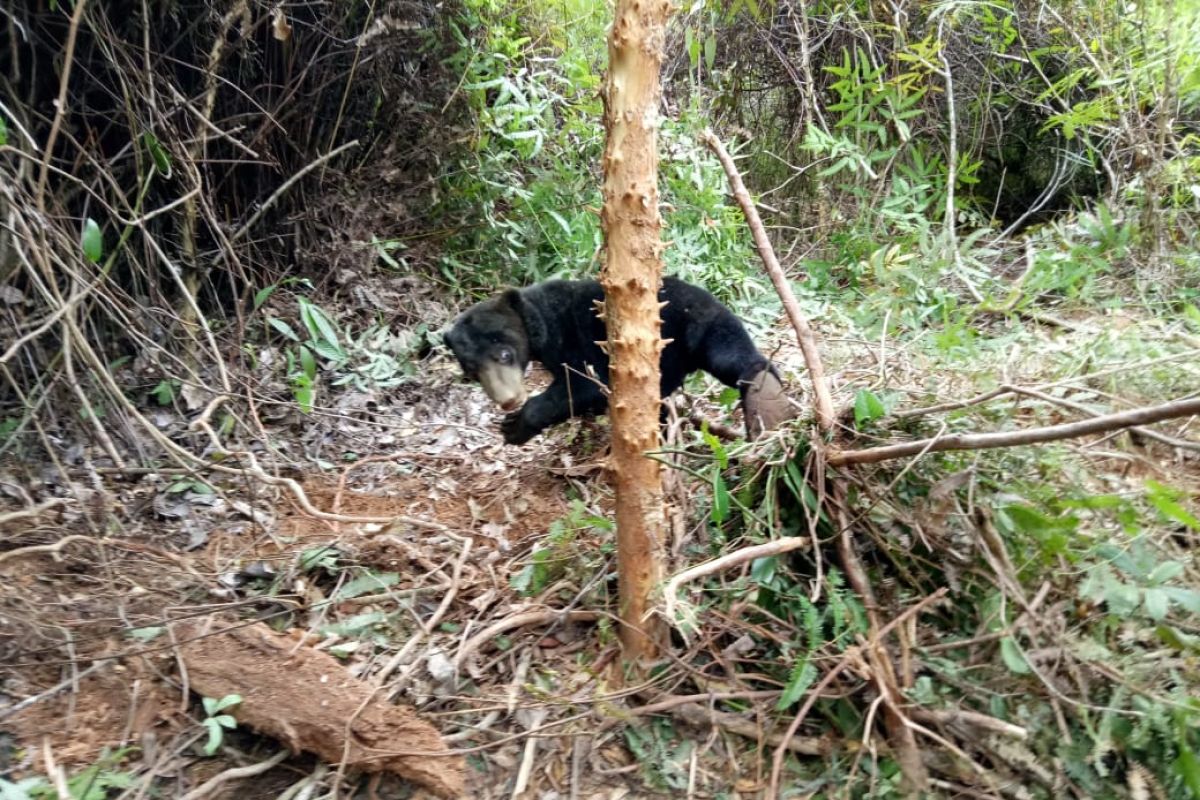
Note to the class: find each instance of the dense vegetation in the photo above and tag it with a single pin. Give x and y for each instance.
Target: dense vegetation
(995, 200)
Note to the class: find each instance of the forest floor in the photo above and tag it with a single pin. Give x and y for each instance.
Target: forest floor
(109, 580)
(482, 603)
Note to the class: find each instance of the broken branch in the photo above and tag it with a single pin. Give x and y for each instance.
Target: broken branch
(805, 336)
(1050, 433)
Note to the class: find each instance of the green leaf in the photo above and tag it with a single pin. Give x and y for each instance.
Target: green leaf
(164, 393)
(357, 624)
(802, 678)
(1177, 639)
(147, 634)
(710, 51)
(715, 445)
(20, 791)
(1163, 498)
(3, 132)
(283, 327)
(308, 364)
(1189, 310)
(227, 701)
(329, 351)
(304, 394)
(1156, 603)
(1121, 598)
(162, 160)
(322, 556)
(1187, 766)
(802, 491)
(215, 735)
(534, 576)
(366, 584)
(867, 407)
(1165, 571)
(692, 45)
(762, 570)
(561, 220)
(1013, 658)
(319, 326)
(720, 508)
(1187, 599)
(262, 294)
(1027, 519)
(92, 241)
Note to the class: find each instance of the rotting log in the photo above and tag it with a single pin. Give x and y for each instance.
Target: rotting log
(631, 278)
(306, 699)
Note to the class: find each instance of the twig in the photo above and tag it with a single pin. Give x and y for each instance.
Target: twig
(56, 773)
(674, 701)
(952, 405)
(1051, 433)
(270, 201)
(727, 561)
(536, 717)
(1182, 444)
(248, 771)
(53, 690)
(60, 105)
(428, 626)
(518, 621)
(698, 715)
(33, 511)
(851, 655)
(972, 718)
(805, 335)
(120, 544)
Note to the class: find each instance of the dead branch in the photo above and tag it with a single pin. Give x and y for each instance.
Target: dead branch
(805, 335)
(703, 716)
(26, 513)
(136, 547)
(519, 620)
(270, 201)
(952, 405)
(1149, 433)
(1050, 433)
(69, 682)
(907, 755)
(727, 561)
(851, 657)
(60, 105)
(971, 718)
(236, 773)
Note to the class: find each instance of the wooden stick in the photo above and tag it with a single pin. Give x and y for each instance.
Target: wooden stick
(805, 335)
(1051, 433)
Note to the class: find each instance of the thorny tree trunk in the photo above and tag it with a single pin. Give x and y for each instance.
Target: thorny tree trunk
(631, 277)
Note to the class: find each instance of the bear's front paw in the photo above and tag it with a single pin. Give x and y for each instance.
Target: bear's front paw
(514, 429)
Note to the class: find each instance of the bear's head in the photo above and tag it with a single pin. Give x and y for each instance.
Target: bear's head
(491, 344)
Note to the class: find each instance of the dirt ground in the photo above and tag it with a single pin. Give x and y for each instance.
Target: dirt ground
(94, 602)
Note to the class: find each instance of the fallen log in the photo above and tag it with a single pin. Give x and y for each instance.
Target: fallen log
(306, 699)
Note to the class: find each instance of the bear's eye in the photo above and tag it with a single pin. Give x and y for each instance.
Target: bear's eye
(505, 356)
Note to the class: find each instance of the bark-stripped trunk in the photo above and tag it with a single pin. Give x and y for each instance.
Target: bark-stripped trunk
(631, 277)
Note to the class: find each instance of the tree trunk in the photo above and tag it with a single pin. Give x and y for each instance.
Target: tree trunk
(631, 278)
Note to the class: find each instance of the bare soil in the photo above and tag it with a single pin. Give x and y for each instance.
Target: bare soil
(90, 618)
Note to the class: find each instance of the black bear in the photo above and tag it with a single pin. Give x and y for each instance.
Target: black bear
(557, 323)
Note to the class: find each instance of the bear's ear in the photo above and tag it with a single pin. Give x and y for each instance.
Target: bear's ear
(512, 299)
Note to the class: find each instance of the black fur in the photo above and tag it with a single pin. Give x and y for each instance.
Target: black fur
(556, 323)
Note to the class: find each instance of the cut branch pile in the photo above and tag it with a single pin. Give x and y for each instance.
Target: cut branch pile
(887, 665)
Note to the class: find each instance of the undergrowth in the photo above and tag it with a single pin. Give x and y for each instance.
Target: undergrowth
(966, 196)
